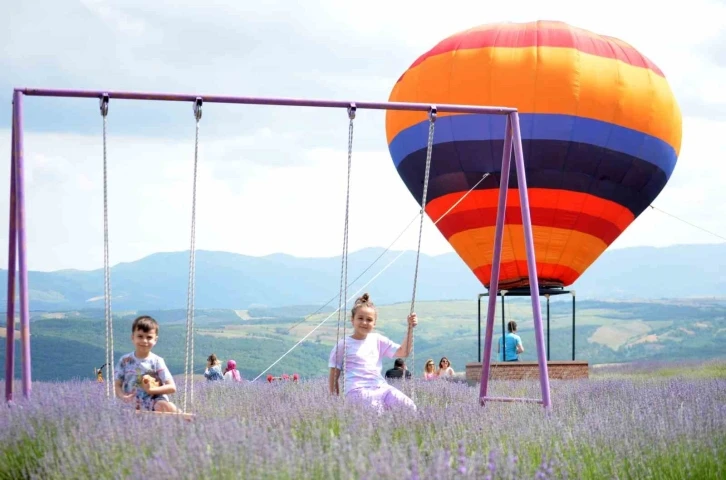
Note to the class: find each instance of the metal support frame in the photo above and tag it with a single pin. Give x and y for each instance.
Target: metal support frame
(17, 259)
(546, 292)
(548, 326)
(513, 141)
(17, 243)
(573, 325)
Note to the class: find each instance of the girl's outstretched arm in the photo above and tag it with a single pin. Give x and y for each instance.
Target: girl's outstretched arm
(333, 381)
(405, 349)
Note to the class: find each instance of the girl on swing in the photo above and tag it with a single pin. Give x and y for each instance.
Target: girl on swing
(364, 352)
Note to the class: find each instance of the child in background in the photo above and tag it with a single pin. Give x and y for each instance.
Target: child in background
(133, 366)
(99, 373)
(231, 374)
(364, 352)
(213, 371)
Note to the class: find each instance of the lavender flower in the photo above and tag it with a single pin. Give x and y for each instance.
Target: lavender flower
(607, 427)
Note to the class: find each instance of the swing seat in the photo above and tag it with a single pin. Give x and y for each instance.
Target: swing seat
(186, 416)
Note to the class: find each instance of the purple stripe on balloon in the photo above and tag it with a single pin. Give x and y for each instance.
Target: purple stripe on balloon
(457, 167)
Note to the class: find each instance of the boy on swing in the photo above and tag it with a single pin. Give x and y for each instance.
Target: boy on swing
(133, 366)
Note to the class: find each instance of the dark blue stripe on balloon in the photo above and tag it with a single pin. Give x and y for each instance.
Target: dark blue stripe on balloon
(463, 128)
(555, 164)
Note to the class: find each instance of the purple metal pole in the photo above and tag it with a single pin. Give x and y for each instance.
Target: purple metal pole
(496, 261)
(544, 378)
(20, 225)
(12, 265)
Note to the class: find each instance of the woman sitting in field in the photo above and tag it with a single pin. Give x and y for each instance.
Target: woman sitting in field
(445, 369)
(429, 370)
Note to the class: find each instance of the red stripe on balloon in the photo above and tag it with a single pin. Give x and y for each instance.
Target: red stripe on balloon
(539, 35)
(544, 217)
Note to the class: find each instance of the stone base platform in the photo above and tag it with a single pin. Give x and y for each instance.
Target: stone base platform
(557, 369)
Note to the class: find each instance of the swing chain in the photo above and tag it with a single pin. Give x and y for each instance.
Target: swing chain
(429, 151)
(189, 360)
(343, 296)
(106, 264)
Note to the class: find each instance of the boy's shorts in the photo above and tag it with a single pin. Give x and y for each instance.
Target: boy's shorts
(147, 402)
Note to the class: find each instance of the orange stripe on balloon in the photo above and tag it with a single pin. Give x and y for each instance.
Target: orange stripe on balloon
(548, 80)
(555, 246)
(567, 201)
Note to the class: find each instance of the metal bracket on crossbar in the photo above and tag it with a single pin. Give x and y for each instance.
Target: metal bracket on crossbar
(198, 108)
(351, 111)
(432, 113)
(104, 104)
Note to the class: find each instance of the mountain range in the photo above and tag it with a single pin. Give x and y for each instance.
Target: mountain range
(234, 281)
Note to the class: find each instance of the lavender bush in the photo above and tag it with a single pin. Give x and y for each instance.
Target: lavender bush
(665, 428)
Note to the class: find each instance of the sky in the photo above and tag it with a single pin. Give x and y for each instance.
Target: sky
(273, 179)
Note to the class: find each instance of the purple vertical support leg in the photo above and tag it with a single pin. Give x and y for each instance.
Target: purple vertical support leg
(22, 265)
(544, 378)
(12, 250)
(496, 261)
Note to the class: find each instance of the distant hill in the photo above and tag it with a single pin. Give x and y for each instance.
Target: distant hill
(232, 281)
(70, 344)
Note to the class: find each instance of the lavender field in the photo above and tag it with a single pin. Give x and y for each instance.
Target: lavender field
(625, 422)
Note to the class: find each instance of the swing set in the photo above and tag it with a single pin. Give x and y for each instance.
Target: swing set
(17, 245)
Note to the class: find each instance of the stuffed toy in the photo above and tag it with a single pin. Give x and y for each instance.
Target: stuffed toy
(150, 380)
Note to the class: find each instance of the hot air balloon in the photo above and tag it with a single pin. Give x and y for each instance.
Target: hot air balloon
(601, 133)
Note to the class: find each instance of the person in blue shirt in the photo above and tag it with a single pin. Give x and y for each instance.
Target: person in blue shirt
(512, 342)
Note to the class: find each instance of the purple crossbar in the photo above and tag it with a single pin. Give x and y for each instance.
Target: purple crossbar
(290, 102)
(17, 241)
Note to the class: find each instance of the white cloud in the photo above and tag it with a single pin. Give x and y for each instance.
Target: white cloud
(272, 178)
(694, 193)
(251, 209)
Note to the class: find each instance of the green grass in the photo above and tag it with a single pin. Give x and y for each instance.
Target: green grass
(21, 456)
(706, 370)
(680, 460)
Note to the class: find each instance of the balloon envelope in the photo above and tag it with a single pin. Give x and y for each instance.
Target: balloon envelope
(601, 133)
